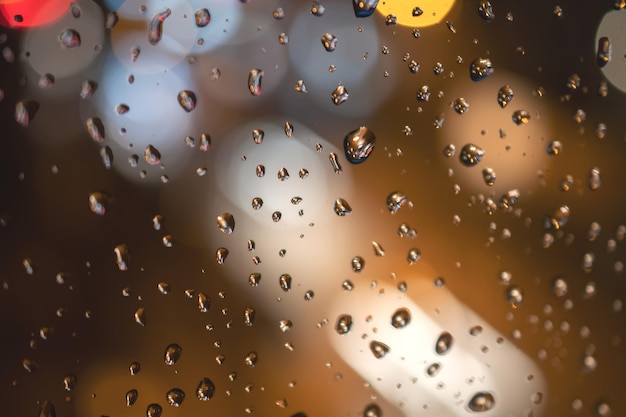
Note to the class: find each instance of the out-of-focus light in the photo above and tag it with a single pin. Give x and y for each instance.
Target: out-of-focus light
(430, 11)
(612, 27)
(24, 14)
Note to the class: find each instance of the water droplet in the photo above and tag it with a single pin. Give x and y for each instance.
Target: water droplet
(342, 208)
(481, 401)
(155, 27)
(226, 223)
(433, 369)
(99, 203)
(254, 81)
(339, 95)
(285, 282)
(283, 174)
(364, 8)
(204, 302)
(257, 203)
(378, 249)
(285, 325)
(187, 100)
(47, 409)
(379, 349)
(251, 359)
(87, 88)
(359, 144)
(25, 111)
(334, 162)
(303, 173)
(344, 324)
(317, 9)
(258, 135)
(444, 343)
(480, 69)
(254, 279)
(486, 11)
(594, 180)
(300, 87)
(505, 95)
(172, 354)
(152, 155)
(471, 155)
(154, 410)
(395, 201)
(558, 219)
(122, 257)
(358, 263)
(203, 17)
(520, 117)
(603, 409)
(329, 41)
(308, 296)
(46, 81)
(140, 317)
(134, 368)
(69, 38)
(220, 255)
(461, 105)
(205, 390)
(401, 318)
(95, 128)
(131, 397)
(489, 176)
(135, 51)
(69, 382)
(603, 55)
(175, 397)
(372, 410)
(276, 216)
(278, 13)
(413, 256)
(248, 316)
(423, 94)
(107, 156)
(554, 147)
(391, 20)
(514, 296)
(260, 171)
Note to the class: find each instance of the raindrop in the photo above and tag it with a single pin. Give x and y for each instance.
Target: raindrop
(416, 12)
(258, 135)
(285, 282)
(25, 111)
(248, 316)
(413, 256)
(69, 38)
(164, 288)
(283, 174)
(205, 390)
(391, 20)
(594, 180)
(505, 95)
(358, 263)
(329, 41)
(187, 100)
(471, 155)
(485, 11)
(433, 369)
(285, 325)
(558, 219)
(155, 27)
(444, 343)
(423, 94)
(317, 9)
(300, 87)
(554, 148)
(334, 162)
(359, 144)
(254, 279)
(107, 156)
(69, 382)
(449, 150)
(481, 401)
(172, 354)
(379, 349)
(276, 216)
(364, 8)
(339, 95)
(395, 201)
(28, 266)
(135, 51)
(303, 173)
(87, 88)
(254, 81)
(47, 409)
(489, 176)
(226, 223)
(475, 330)
(175, 397)
(154, 410)
(204, 302)
(414, 67)
(279, 13)
(461, 105)
(603, 55)
(260, 171)
(344, 324)
(347, 285)
(288, 129)
(140, 317)
(95, 128)
(257, 203)
(122, 257)
(134, 368)
(152, 155)
(514, 296)
(342, 208)
(480, 69)
(251, 359)
(308, 296)
(401, 318)
(520, 117)
(378, 249)
(203, 17)
(131, 397)
(99, 203)
(220, 255)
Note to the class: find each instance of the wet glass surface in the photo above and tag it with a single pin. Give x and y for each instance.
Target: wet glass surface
(375, 208)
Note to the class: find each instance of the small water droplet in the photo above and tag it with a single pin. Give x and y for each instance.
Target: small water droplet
(278, 13)
(378, 249)
(471, 155)
(134, 368)
(285, 282)
(555, 147)
(481, 401)
(187, 100)
(140, 317)
(203, 17)
(520, 117)
(95, 128)
(359, 144)
(131, 397)
(594, 180)
(152, 155)
(505, 95)
(486, 11)
(300, 87)
(372, 410)
(258, 135)
(155, 27)
(317, 9)
(254, 279)
(99, 203)
(254, 81)
(308, 296)
(433, 369)
(260, 171)
(423, 94)
(303, 173)
(69, 382)
(205, 390)
(413, 256)
(122, 257)
(220, 255)
(489, 176)
(69, 38)
(154, 410)
(480, 69)
(226, 223)
(358, 263)
(461, 105)
(395, 201)
(514, 296)
(283, 174)
(444, 343)
(285, 325)
(401, 318)
(339, 95)
(257, 203)
(364, 8)
(276, 216)
(379, 349)
(342, 208)
(175, 397)
(329, 41)
(25, 111)
(172, 354)
(248, 316)
(204, 302)
(47, 409)
(344, 324)
(558, 219)
(334, 162)
(251, 359)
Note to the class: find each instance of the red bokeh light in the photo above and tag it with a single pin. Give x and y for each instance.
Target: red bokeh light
(19, 14)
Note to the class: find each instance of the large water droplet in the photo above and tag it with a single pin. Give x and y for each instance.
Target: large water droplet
(203, 17)
(444, 343)
(471, 155)
(364, 8)
(205, 390)
(95, 128)
(154, 410)
(172, 354)
(175, 397)
(395, 201)
(131, 397)
(69, 38)
(481, 401)
(359, 144)
(401, 318)
(379, 349)
(254, 81)
(520, 117)
(122, 257)
(155, 27)
(342, 208)
(344, 324)
(226, 223)
(329, 41)
(187, 100)
(486, 11)
(339, 95)
(480, 69)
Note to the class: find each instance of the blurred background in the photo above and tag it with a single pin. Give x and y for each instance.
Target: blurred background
(390, 208)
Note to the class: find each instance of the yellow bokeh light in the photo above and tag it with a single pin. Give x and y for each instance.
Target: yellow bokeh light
(433, 11)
